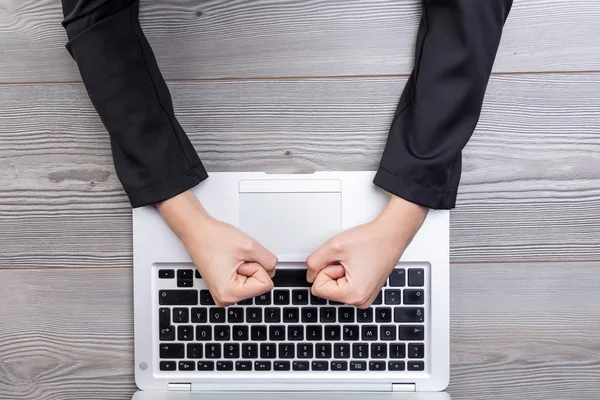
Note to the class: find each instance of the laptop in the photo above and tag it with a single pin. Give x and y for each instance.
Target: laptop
(289, 342)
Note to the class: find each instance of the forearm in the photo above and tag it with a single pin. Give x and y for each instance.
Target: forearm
(441, 103)
(153, 156)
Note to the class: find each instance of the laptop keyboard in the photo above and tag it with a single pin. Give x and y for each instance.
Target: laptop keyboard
(289, 329)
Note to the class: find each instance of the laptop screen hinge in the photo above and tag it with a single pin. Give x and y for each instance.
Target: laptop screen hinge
(180, 387)
(404, 387)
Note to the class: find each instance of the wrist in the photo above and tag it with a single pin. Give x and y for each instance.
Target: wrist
(184, 214)
(402, 219)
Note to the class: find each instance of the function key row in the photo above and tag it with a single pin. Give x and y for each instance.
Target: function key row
(291, 366)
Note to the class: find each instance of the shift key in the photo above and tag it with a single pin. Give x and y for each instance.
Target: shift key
(178, 297)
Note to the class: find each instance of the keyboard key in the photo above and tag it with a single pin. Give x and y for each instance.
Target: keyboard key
(376, 365)
(262, 365)
(291, 314)
(365, 315)
(358, 365)
(397, 350)
(281, 366)
(305, 350)
(224, 365)
(320, 366)
(286, 350)
(247, 302)
(231, 350)
(212, 350)
(300, 296)
(383, 314)
(346, 314)
(412, 332)
(339, 365)
(249, 350)
(341, 350)
(332, 332)
(187, 366)
(416, 366)
(379, 299)
(327, 314)
(185, 283)
(409, 314)
(273, 315)
(295, 333)
(235, 315)
(222, 333)
(171, 350)
(290, 277)
(351, 332)
(369, 332)
(258, 333)
(317, 301)
(277, 332)
(378, 350)
(181, 315)
(167, 333)
(387, 332)
(263, 299)
(168, 366)
(323, 350)
(254, 315)
(314, 333)
(414, 296)
(206, 365)
(267, 350)
(398, 277)
(217, 315)
(203, 333)
(206, 298)
(185, 332)
(166, 274)
(178, 297)
(243, 365)
(185, 274)
(199, 315)
(396, 366)
(416, 277)
(392, 296)
(240, 332)
(164, 317)
(300, 365)
(195, 350)
(281, 297)
(416, 350)
(309, 314)
(335, 303)
(197, 274)
(360, 350)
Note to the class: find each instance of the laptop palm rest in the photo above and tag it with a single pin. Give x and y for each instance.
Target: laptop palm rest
(292, 217)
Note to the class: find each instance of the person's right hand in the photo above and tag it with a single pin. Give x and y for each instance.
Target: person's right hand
(233, 265)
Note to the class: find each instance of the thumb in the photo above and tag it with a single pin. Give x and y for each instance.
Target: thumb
(252, 280)
(319, 259)
(331, 284)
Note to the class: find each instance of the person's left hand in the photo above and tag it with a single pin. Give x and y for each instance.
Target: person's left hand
(352, 267)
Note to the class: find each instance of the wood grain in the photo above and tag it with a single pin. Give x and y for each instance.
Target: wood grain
(276, 38)
(530, 189)
(518, 331)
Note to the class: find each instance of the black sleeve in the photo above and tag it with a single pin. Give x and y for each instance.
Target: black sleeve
(441, 103)
(153, 156)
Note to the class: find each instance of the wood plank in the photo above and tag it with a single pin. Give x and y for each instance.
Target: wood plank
(274, 38)
(530, 187)
(526, 328)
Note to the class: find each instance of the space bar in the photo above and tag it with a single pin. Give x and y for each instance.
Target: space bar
(291, 277)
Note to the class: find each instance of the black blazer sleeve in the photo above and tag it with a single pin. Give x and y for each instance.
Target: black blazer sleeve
(154, 158)
(441, 103)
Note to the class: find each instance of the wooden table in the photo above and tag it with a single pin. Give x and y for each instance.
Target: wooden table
(294, 87)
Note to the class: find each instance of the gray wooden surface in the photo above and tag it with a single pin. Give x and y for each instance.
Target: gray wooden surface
(525, 238)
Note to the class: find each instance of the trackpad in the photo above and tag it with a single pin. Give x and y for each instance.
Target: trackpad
(292, 224)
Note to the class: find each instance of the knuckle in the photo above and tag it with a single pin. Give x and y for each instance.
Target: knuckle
(336, 245)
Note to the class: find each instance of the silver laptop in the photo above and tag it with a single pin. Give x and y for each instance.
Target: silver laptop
(288, 341)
